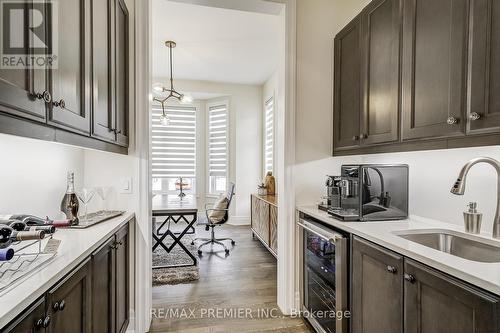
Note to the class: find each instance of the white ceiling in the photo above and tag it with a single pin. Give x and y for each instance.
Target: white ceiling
(215, 44)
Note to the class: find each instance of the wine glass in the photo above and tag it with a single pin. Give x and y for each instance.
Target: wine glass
(103, 193)
(85, 195)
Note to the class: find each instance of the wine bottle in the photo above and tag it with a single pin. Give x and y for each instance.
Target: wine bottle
(31, 220)
(18, 236)
(48, 229)
(14, 224)
(6, 254)
(69, 204)
(5, 236)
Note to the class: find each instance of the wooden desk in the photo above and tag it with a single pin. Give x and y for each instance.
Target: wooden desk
(264, 221)
(174, 209)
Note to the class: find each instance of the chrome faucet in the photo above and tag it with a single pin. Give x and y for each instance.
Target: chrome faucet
(459, 186)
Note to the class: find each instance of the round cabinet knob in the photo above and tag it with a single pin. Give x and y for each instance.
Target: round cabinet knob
(45, 96)
(392, 269)
(364, 136)
(61, 104)
(355, 138)
(474, 116)
(59, 306)
(62, 305)
(39, 323)
(452, 121)
(410, 278)
(46, 322)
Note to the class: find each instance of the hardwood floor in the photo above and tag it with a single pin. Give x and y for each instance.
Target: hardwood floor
(234, 294)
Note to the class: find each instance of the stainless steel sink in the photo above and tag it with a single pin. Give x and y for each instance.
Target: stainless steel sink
(457, 244)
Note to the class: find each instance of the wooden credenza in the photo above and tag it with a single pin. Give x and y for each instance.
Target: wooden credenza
(264, 221)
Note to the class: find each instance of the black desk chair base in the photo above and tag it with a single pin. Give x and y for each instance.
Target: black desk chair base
(213, 240)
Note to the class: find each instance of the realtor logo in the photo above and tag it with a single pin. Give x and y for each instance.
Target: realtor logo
(28, 34)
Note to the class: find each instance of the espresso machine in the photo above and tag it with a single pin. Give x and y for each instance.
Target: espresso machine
(333, 192)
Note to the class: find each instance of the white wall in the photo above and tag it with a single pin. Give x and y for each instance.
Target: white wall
(432, 173)
(245, 142)
(33, 175)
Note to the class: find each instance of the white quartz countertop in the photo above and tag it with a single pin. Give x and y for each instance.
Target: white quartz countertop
(76, 245)
(384, 233)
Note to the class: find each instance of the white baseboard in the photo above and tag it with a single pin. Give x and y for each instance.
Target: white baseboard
(239, 220)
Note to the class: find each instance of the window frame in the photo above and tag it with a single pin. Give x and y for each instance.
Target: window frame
(209, 104)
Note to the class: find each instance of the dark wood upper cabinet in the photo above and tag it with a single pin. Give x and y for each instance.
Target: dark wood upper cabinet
(103, 84)
(103, 288)
(347, 87)
(435, 303)
(435, 35)
(70, 79)
(22, 90)
(381, 22)
(69, 303)
(122, 80)
(377, 289)
(484, 112)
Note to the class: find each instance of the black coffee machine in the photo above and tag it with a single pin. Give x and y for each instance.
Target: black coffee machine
(333, 192)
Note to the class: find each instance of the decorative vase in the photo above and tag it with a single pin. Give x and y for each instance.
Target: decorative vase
(270, 183)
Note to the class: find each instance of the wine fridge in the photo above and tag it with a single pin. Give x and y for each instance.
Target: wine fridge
(324, 276)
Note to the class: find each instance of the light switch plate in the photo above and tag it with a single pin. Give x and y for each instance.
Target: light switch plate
(126, 185)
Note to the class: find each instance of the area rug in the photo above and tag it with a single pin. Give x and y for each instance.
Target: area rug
(177, 256)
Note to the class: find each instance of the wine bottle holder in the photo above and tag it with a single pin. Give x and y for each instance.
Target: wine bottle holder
(28, 257)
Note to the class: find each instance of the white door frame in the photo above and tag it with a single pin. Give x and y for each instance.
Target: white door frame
(285, 159)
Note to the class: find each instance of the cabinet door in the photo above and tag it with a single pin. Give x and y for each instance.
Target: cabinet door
(103, 115)
(380, 83)
(69, 302)
(103, 288)
(22, 89)
(70, 80)
(485, 67)
(434, 67)
(122, 279)
(122, 82)
(347, 86)
(377, 304)
(435, 303)
(33, 320)
(273, 228)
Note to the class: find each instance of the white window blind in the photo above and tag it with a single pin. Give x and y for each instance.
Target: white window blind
(174, 146)
(217, 147)
(269, 136)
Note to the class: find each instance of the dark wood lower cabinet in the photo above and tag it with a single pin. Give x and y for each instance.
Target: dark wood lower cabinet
(68, 303)
(103, 287)
(122, 280)
(377, 304)
(436, 303)
(94, 297)
(33, 320)
(389, 296)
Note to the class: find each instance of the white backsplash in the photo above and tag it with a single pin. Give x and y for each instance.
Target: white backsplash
(432, 174)
(33, 175)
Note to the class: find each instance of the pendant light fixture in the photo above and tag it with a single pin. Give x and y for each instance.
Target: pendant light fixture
(170, 92)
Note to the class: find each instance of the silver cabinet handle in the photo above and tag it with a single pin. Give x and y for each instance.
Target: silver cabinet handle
(355, 138)
(474, 116)
(452, 121)
(410, 278)
(331, 239)
(392, 269)
(61, 104)
(364, 136)
(45, 96)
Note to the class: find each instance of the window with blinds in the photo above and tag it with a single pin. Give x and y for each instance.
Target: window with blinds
(218, 136)
(269, 135)
(173, 148)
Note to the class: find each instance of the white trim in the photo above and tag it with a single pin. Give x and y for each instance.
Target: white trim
(239, 220)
